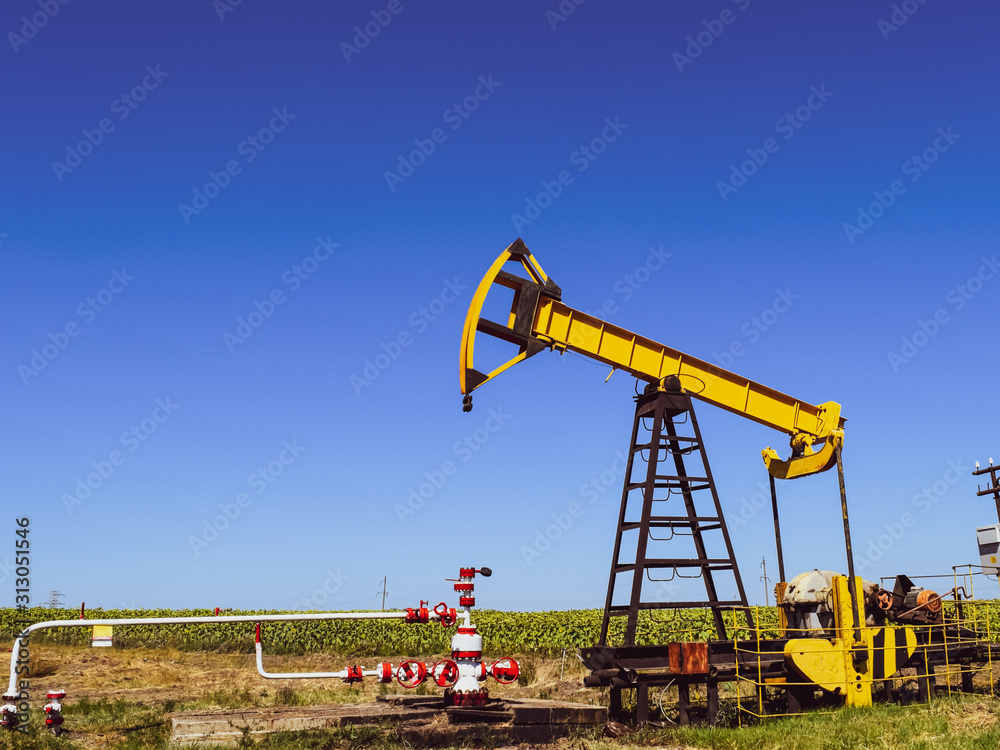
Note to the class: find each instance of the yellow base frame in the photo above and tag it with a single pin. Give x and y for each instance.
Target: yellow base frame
(844, 665)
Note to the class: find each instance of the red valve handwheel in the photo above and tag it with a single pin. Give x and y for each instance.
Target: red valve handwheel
(411, 673)
(445, 673)
(505, 671)
(448, 616)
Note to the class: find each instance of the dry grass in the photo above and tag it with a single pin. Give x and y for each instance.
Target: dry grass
(118, 699)
(197, 679)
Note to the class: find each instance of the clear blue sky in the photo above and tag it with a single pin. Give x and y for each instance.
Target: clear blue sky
(170, 166)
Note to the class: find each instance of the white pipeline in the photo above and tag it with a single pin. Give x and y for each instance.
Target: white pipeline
(383, 672)
(206, 620)
(289, 675)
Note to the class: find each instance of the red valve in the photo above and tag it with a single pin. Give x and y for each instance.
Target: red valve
(353, 675)
(411, 673)
(385, 672)
(445, 673)
(505, 670)
(448, 616)
(421, 614)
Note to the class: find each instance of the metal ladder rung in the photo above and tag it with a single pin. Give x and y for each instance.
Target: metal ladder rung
(623, 609)
(667, 486)
(677, 522)
(711, 563)
(653, 520)
(665, 438)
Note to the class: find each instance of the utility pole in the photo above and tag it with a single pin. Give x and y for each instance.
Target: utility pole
(383, 592)
(993, 488)
(766, 580)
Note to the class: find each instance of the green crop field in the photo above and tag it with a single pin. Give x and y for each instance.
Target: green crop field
(542, 633)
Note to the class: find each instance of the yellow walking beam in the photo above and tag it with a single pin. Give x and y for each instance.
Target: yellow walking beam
(539, 320)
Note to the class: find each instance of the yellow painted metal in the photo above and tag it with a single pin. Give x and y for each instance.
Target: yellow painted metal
(811, 461)
(843, 607)
(819, 661)
(888, 655)
(815, 431)
(779, 599)
(831, 663)
(466, 356)
(858, 672)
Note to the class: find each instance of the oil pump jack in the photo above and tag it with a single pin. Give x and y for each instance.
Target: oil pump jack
(669, 494)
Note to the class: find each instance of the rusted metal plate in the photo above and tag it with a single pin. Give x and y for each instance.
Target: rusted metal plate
(695, 658)
(688, 658)
(674, 651)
